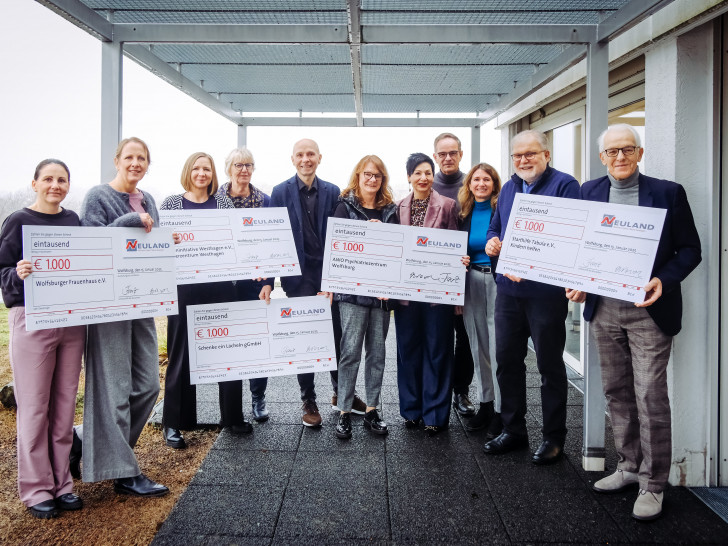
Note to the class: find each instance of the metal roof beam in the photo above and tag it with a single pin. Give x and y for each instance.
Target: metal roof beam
(628, 16)
(478, 34)
(81, 15)
(142, 56)
(354, 13)
(541, 77)
(253, 121)
(242, 34)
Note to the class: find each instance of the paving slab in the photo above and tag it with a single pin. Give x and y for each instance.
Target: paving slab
(288, 484)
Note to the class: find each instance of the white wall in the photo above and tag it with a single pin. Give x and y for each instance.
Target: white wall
(679, 132)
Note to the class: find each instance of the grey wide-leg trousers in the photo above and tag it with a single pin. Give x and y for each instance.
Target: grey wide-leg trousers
(361, 326)
(479, 317)
(122, 384)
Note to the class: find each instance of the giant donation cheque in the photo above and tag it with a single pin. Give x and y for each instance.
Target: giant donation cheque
(87, 275)
(600, 248)
(393, 261)
(247, 339)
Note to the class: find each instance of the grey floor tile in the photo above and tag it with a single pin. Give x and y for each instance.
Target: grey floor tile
(348, 493)
(440, 499)
(265, 436)
(225, 510)
(254, 470)
(547, 515)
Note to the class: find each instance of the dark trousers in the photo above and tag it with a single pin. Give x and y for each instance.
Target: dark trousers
(180, 397)
(306, 380)
(463, 367)
(424, 361)
(249, 290)
(543, 320)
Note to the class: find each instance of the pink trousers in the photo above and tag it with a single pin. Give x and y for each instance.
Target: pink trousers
(46, 365)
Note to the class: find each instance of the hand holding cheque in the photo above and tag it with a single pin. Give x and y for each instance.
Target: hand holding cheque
(586, 246)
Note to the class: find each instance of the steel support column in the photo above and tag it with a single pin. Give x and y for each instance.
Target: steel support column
(597, 107)
(242, 136)
(111, 90)
(475, 145)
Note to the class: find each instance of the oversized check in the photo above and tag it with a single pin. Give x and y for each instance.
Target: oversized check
(86, 275)
(601, 248)
(393, 261)
(247, 339)
(230, 244)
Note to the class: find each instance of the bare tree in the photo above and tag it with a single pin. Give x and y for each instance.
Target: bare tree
(14, 200)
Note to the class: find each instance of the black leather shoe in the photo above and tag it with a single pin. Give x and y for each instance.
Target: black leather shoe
(495, 428)
(548, 453)
(343, 427)
(69, 501)
(504, 443)
(173, 438)
(481, 419)
(463, 405)
(44, 510)
(260, 412)
(244, 428)
(412, 423)
(75, 455)
(141, 486)
(374, 423)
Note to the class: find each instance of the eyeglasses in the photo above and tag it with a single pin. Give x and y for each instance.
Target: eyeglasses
(627, 151)
(375, 176)
(239, 166)
(528, 155)
(453, 154)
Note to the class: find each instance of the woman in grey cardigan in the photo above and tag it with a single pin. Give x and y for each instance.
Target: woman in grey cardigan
(122, 363)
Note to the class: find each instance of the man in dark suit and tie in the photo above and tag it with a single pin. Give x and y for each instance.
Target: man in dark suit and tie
(634, 340)
(309, 201)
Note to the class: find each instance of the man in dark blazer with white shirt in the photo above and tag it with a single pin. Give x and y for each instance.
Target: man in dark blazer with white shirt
(634, 340)
(309, 201)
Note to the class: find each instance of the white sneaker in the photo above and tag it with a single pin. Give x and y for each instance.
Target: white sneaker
(618, 481)
(648, 506)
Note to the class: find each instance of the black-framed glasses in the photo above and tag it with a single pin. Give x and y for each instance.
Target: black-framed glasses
(528, 155)
(239, 166)
(453, 154)
(627, 151)
(375, 176)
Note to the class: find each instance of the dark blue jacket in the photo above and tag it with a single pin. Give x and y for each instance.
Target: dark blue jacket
(552, 183)
(286, 194)
(678, 252)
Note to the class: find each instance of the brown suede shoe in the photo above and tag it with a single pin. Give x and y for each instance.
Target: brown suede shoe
(311, 416)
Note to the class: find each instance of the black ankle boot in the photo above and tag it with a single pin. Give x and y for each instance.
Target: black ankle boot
(495, 428)
(481, 419)
(75, 456)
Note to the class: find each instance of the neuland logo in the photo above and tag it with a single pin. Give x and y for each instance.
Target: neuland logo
(288, 312)
(132, 245)
(610, 221)
(434, 243)
(248, 221)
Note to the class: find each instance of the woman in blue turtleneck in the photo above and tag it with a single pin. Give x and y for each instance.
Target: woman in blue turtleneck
(478, 196)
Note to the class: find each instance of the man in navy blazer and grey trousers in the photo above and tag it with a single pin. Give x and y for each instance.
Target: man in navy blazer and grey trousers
(309, 201)
(634, 340)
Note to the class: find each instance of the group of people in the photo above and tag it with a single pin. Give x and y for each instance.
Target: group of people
(440, 348)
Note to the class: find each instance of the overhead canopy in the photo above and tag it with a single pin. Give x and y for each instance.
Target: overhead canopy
(362, 62)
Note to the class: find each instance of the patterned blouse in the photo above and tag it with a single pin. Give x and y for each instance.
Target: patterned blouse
(419, 209)
(252, 201)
